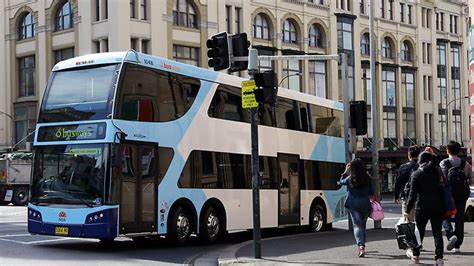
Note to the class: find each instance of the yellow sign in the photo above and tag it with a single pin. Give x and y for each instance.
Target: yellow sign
(86, 151)
(61, 231)
(248, 94)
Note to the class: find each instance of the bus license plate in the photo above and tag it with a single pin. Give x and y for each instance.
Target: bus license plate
(62, 230)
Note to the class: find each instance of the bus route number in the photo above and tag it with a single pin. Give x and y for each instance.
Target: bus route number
(148, 62)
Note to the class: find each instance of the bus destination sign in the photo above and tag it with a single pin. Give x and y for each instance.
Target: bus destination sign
(72, 132)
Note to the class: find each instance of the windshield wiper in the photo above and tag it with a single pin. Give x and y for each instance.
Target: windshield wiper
(75, 192)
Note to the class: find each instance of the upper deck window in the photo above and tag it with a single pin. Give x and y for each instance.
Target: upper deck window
(153, 95)
(79, 94)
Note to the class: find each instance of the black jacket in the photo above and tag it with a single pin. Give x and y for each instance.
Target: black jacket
(426, 187)
(403, 177)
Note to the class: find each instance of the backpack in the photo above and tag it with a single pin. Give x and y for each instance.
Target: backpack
(406, 189)
(457, 179)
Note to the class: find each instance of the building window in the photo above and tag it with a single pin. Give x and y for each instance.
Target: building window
(382, 8)
(453, 24)
(228, 10)
(143, 10)
(428, 128)
(441, 22)
(390, 125)
(185, 54)
(317, 78)
(406, 51)
(265, 65)
(145, 46)
(132, 9)
(289, 32)
(261, 29)
(63, 54)
(238, 12)
(25, 123)
(408, 90)
(63, 17)
(27, 27)
(410, 15)
(437, 22)
(291, 74)
(388, 88)
(390, 9)
(402, 12)
(315, 36)
(362, 6)
(387, 50)
(365, 44)
(26, 74)
(427, 90)
(184, 14)
(428, 53)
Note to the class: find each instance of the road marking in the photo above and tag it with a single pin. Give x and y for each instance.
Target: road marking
(15, 235)
(370, 219)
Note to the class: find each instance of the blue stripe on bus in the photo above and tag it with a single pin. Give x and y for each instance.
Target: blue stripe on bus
(329, 149)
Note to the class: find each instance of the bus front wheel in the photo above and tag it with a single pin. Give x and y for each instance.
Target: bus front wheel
(179, 226)
(211, 226)
(317, 219)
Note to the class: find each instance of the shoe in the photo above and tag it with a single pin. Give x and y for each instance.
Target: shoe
(451, 242)
(439, 262)
(361, 253)
(457, 250)
(415, 259)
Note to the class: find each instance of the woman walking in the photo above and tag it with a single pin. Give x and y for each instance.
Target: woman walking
(360, 189)
(426, 185)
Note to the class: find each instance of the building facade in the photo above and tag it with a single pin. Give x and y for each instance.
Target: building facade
(421, 75)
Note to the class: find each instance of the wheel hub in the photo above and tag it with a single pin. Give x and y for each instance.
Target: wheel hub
(183, 226)
(317, 221)
(213, 225)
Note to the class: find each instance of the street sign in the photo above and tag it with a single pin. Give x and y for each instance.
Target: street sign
(248, 94)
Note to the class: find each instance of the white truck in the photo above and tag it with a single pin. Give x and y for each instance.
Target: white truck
(15, 171)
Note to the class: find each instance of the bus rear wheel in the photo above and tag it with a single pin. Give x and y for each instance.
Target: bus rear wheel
(211, 226)
(317, 219)
(179, 226)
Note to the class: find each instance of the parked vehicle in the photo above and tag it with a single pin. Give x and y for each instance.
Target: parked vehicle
(469, 217)
(15, 170)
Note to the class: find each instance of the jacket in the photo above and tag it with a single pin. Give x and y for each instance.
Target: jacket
(426, 187)
(404, 177)
(358, 198)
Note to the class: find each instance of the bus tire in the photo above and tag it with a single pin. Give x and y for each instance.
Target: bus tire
(317, 219)
(20, 196)
(179, 226)
(211, 225)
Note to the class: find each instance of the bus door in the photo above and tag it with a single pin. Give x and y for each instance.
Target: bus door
(288, 190)
(138, 188)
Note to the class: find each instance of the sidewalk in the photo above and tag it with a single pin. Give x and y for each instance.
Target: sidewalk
(338, 247)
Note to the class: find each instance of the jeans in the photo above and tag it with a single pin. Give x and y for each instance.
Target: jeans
(458, 224)
(359, 220)
(436, 218)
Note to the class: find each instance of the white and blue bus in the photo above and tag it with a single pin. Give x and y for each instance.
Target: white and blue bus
(129, 144)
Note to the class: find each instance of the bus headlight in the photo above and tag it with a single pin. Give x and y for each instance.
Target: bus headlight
(34, 215)
(96, 217)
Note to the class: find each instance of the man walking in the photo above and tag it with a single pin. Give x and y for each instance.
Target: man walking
(458, 173)
(402, 184)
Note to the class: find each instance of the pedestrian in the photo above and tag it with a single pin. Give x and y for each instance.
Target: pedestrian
(360, 189)
(458, 173)
(402, 184)
(425, 189)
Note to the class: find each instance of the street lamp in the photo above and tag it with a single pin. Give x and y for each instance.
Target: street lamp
(447, 113)
(13, 123)
(291, 75)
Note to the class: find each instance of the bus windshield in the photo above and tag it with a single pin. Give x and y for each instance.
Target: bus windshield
(79, 94)
(69, 174)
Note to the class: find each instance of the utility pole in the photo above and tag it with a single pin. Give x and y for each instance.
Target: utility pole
(375, 131)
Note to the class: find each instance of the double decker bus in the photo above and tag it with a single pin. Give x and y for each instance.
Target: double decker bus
(129, 144)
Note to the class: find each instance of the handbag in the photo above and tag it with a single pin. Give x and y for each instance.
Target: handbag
(377, 211)
(448, 201)
(407, 234)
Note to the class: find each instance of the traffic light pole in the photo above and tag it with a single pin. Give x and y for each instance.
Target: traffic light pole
(257, 247)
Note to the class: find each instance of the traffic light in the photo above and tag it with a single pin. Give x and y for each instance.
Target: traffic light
(240, 48)
(358, 113)
(218, 51)
(267, 89)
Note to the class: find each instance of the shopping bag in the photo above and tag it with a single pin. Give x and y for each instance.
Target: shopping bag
(449, 206)
(407, 234)
(377, 211)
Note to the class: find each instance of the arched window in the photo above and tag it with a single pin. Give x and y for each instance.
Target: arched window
(260, 27)
(406, 51)
(26, 29)
(184, 14)
(387, 50)
(315, 36)
(289, 32)
(365, 44)
(63, 17)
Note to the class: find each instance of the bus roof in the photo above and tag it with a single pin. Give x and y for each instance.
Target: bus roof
(146, 60)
